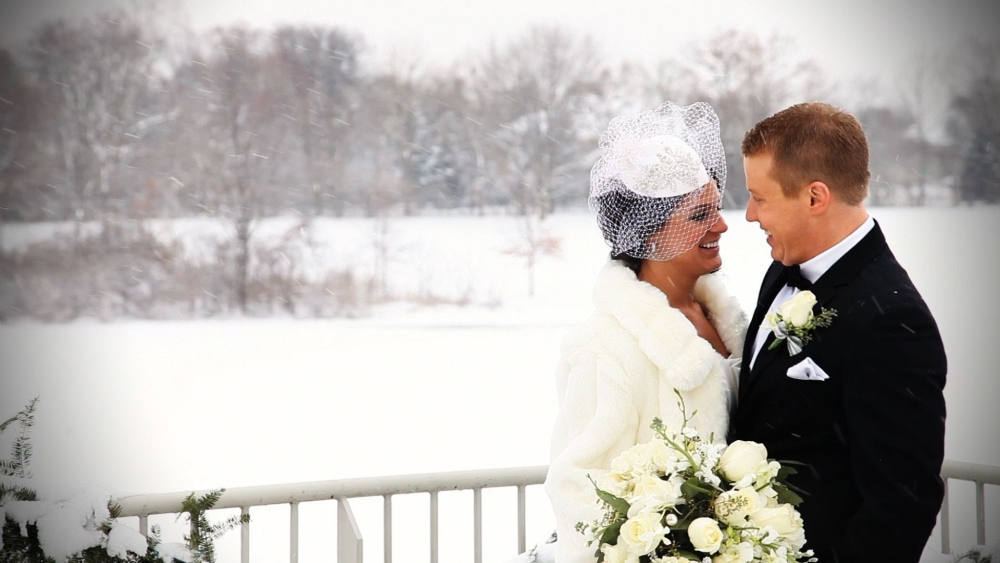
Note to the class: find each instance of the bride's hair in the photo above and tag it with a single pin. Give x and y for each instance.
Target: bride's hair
(628, 222)
(631, 262)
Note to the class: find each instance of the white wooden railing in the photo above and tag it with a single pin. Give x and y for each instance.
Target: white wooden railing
(979, 474)
(349, 540)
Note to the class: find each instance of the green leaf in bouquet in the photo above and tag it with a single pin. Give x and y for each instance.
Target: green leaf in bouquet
(785, 471)
(612, 532)
(690, 555)
(785, 462)
(619, 504)
(786, 495)
(694, 487)
(683, 521)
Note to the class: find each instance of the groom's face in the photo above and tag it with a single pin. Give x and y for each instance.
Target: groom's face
(785, 220)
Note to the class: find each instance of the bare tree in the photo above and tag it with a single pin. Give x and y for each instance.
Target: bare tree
(974, 123)
(390, 122)
(321, 77)
(534, 242)
(93, 77)
(893, 152)
(539, 85)
(19, 119)
(924, 94)
(230, 100)
(745, 77)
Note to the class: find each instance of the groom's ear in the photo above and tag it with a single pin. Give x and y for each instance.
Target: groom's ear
(819, 197)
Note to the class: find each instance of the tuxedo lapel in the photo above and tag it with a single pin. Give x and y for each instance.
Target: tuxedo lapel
(774, 280)
(849, 266)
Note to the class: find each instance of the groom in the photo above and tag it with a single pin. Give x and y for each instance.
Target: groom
(861, 404)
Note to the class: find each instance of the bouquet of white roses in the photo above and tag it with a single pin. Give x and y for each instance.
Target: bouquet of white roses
(681, 498)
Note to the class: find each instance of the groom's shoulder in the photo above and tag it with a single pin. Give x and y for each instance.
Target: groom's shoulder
(888, 286)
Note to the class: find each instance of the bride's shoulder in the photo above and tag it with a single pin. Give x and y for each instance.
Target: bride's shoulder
(712, 291)
(724, 310)
(598, 334)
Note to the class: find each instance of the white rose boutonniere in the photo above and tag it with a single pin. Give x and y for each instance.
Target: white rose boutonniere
(794, 321)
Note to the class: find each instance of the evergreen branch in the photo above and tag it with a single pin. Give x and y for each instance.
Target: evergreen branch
(17, 492)
(217, 530)
(8, 468)
(201, 540)
(8, 422)
(21, 450)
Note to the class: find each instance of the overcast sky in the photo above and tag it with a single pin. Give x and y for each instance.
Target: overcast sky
(848, 38)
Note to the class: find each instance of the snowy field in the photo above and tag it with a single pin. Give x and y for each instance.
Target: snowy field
(143, 407)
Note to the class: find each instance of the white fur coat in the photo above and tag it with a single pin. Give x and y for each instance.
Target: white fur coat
(618, 371)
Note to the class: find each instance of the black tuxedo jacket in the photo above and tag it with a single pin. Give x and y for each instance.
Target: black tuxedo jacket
(872, 435)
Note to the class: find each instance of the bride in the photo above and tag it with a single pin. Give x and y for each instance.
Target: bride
(664, 321)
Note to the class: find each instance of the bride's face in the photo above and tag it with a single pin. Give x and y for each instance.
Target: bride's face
(698, 226)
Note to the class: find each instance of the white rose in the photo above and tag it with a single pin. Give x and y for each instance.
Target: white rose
(653, 486)
(614, 483)
(644, 505)
(637, 456)
(621, 464)
(618, 553)
(784, 520)
(741, 459)
(705, 535)
(659, 455)
(734, 507)
(736, 553)
(798, 311)
(643, 533)
(770, 320)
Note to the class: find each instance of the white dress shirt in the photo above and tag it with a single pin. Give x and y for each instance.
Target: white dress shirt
(812, 270)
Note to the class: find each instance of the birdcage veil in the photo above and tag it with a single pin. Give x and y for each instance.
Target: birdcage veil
(659, 171)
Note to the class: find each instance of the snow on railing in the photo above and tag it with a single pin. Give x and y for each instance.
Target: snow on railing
(979, 474)
(349, 542)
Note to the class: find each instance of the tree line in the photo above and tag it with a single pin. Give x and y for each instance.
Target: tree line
(109, 119)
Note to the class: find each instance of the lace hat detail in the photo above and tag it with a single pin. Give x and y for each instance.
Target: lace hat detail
(656, 165)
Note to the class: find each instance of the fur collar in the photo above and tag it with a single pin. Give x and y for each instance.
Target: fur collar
(663, 333)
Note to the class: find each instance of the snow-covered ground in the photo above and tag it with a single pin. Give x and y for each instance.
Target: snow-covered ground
(141, 407)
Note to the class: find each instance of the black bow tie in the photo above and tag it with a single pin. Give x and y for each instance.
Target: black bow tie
(794, 278)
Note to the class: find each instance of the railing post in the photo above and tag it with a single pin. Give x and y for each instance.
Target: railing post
(945, 522)
(434, 527)
(980, 514)
(387, 528)
(293, 540)
(245, 535)
(349, 542)
(477, 501)
(521, 524)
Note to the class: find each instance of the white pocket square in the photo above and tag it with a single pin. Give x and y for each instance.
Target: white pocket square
(807, 370)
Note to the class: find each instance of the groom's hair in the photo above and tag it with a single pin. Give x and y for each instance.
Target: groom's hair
(814, 142)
